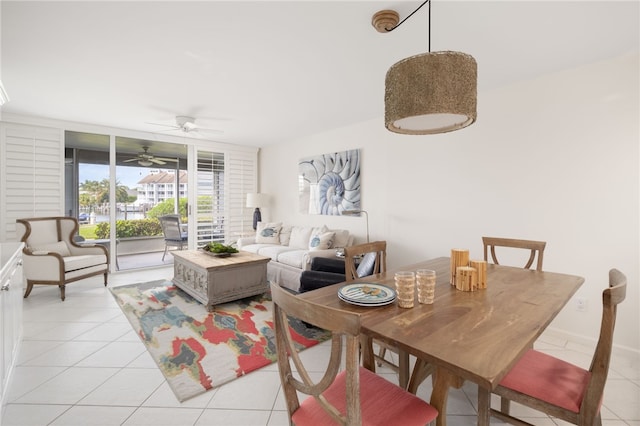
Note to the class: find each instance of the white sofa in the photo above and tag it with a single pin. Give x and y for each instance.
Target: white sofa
(291, 248)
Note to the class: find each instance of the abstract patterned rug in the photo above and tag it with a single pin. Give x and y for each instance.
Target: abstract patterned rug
(197, 350)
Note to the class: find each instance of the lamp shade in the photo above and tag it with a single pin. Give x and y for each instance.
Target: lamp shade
(256, 200)
(430, 93)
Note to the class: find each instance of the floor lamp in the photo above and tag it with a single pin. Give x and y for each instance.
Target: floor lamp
(357, 213)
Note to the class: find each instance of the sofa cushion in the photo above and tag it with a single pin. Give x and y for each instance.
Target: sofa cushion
(268, 233)
(300, 237)
(295, 258)
(273, 250)
(321, 241)
(60, 247)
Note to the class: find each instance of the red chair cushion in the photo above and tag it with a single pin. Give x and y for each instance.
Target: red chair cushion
(382, 403)
(548, 379)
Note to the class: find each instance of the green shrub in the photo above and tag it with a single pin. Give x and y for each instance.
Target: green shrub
(130, 228)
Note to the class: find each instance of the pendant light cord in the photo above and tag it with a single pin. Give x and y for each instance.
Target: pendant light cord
(410, 15)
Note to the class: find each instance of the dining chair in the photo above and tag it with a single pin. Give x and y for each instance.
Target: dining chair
(535, 247)
(349, 396)
(558, 388)
(373, 257)
(174, 236)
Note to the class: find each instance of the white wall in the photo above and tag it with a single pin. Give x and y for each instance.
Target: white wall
(553, 159)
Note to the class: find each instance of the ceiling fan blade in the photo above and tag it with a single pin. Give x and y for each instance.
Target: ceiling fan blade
(130, 160)
(207, 130)
(175, 160)
(162, 124)
(156, 161)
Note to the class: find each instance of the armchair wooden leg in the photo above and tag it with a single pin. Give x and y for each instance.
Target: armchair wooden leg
(61, 292)
(27, 292)
(105, 278)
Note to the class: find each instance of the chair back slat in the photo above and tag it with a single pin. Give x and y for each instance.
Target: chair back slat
(535, 247)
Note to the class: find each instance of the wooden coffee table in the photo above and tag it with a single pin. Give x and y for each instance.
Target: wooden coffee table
(214, 280)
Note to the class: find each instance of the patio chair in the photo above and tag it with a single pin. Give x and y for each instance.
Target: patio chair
(353, 396)
(53, 257)
(173, 234)
(561, 389)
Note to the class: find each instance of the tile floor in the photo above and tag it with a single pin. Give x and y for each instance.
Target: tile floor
(81, 364)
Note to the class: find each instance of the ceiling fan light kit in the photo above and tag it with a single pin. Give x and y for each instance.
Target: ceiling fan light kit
(430, 93)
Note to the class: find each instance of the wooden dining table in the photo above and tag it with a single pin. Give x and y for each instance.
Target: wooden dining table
(476, 336)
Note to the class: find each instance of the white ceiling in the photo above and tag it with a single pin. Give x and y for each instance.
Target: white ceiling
(265, 72)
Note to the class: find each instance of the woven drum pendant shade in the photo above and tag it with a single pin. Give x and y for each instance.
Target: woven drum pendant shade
(431, 93)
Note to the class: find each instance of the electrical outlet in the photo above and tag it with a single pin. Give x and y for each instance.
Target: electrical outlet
(581, 304)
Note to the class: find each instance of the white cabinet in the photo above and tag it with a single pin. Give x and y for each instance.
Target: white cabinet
(11, 289)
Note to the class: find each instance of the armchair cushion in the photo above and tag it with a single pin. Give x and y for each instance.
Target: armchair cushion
(327, 264)
(60, 247)
(311, 280)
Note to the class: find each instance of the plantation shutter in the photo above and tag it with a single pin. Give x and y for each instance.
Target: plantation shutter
(223, 180)
(31, 175)
(242, 175)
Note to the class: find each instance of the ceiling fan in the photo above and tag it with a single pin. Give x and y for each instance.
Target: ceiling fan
(186, 124)
(145, 159)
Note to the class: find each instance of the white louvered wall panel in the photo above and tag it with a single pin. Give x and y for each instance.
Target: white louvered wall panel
(32, 175)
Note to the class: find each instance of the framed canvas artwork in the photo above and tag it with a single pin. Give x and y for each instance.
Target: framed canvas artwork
(330, 184)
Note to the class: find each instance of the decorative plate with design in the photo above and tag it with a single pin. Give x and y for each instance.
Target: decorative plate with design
(367, 294)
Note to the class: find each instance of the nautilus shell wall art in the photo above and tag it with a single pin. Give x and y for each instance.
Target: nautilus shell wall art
(330, 184)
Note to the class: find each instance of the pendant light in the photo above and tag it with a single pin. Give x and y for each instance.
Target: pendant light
(429, 93)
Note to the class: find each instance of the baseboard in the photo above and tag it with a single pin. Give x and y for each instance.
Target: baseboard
(618, 350)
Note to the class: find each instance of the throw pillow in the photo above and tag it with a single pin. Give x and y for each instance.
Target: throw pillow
(321, 241)
(60, 247)
(268, 233)
(342, 238)
(285, 235)
(300, 237)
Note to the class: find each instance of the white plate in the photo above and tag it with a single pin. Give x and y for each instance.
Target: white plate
(367, 294)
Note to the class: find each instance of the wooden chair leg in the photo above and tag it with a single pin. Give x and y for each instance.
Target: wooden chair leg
(61, 292)
(27, 292)
(166, 247)
(505, 405)
(484, 406)
(105, 278)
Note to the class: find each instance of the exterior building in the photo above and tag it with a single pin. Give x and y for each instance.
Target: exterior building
(160, 185)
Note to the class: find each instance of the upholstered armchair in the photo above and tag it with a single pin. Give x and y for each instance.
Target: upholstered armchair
(52, 256)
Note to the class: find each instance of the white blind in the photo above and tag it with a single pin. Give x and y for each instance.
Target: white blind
(32, 176)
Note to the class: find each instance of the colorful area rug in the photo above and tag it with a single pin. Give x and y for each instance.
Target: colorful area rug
(197, 350)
